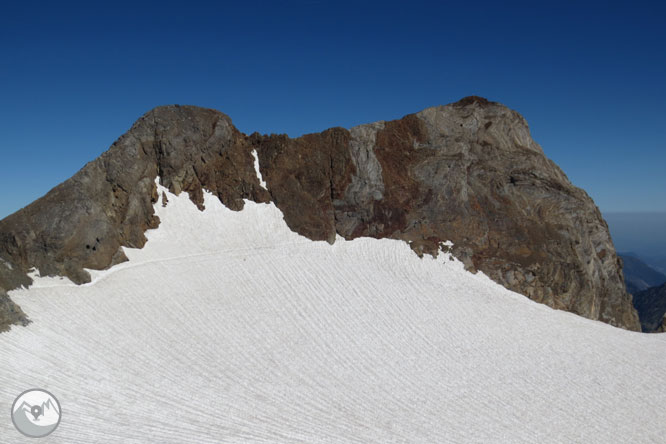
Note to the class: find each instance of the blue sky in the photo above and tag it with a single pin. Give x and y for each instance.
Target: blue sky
(590, 79)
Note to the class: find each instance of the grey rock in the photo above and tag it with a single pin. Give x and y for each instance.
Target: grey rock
(367, 184)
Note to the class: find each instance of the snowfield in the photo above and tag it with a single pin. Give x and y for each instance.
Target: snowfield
(229, 328)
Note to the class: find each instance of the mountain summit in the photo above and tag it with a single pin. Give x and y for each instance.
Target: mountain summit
(468, 173)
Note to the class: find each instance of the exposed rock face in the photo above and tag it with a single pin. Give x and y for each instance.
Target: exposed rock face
(651, 307)
(468, 172)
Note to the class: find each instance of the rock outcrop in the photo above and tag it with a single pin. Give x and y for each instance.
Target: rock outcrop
(468, 172)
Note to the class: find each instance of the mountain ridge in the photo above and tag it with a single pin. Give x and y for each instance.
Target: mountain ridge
(651, 307)
(638, 275)
(468, 172)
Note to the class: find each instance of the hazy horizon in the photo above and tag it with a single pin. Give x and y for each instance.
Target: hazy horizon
(641, 233)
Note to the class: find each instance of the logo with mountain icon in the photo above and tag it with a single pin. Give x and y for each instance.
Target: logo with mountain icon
(36, 413)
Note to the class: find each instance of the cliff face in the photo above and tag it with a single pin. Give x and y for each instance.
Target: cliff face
(468, 172)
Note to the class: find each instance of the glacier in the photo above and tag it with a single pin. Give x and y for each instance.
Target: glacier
(228, 327)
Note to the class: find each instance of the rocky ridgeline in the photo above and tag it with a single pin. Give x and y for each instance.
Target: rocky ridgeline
(468, 172)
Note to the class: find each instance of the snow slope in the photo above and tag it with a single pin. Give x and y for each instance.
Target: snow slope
(227, 327)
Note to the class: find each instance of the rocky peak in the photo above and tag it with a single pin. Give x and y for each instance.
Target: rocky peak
(468, 172)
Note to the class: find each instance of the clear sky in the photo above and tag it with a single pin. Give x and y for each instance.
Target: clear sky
(590, 80)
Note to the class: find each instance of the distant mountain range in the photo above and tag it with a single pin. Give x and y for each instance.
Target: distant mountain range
(648, 286)
(651, 307)
(656, 261)
(641, 233)
(638, 275)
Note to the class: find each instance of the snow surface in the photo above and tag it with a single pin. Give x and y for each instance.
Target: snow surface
(227, 327)
(256, 169)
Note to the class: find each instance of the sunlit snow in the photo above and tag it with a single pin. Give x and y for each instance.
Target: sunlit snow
(256, 169)
(229, 328)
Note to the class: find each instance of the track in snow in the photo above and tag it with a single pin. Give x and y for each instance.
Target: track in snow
(228, 327)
